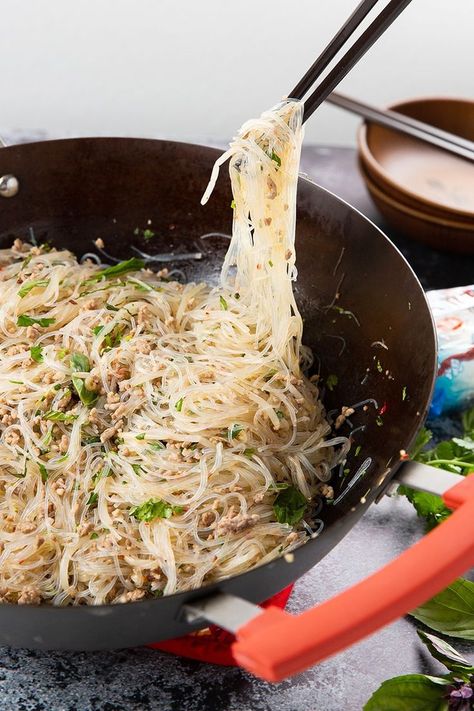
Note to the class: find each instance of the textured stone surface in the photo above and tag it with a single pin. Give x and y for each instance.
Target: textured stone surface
(142, 679)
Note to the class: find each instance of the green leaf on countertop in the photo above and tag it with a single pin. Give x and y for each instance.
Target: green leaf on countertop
(289, 506)
(428, 506)
(411, 692)
(451, 612)
(455, 455)
(447, 655)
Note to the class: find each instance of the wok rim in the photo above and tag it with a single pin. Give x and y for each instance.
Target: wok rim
(376, 492)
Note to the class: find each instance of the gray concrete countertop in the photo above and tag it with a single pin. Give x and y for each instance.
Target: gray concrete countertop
(143, 679)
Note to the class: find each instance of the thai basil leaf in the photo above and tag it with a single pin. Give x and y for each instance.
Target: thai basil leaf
(289, 506)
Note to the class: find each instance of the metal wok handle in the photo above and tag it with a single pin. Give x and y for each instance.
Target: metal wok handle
(274, 644)
(8, 183)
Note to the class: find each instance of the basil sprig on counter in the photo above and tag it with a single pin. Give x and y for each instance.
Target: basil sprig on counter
(455, 455)
(420, 692)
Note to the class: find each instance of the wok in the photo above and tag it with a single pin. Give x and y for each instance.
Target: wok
(69, 192)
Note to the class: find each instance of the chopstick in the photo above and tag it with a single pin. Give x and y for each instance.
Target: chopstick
(330, 51)
(405, 124)
(377, 27)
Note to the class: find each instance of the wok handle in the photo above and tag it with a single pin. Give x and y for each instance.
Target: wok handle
(275, 644)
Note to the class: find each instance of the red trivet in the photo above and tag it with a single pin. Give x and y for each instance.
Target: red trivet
(213, 645)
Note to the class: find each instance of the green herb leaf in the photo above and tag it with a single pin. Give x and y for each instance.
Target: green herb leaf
(232, 204)
(276, 158)
(154, 508)
(235, 430)
(422, 439)
(140, 436)
(289, 506)
(223, 303)
(36, 353)
(148, 234)
(357, 450)
(331, 381)
(97, 329)
(44, 473)
(249, 452)
(141, 285)
(280, 414)
(94, 535)
(157, 445)
(412, 692)
(57, 416)
(29, 285)
(468, 423)
(428, 506)
(111, 307)
(404, 392)
(179, 404)
(25, 320)
(93, 499)
(129, 265)
(447, 655)
(451, 611)
(80, 363)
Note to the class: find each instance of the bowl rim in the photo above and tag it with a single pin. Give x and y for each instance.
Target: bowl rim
(371, 164)
(411, 212)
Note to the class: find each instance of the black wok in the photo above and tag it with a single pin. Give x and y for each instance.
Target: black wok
(354, 289)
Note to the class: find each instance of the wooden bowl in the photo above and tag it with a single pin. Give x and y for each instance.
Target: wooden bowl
(416, 174)
(440, 233)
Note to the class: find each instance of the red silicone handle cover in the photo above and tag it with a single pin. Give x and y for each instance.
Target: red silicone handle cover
(276, 645)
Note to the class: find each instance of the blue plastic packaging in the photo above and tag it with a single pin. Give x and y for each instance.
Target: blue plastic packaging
(453, 312)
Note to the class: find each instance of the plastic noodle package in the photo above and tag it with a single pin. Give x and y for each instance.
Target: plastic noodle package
(453, 312)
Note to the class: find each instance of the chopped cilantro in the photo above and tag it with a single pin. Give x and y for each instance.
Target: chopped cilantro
(36, 353)
(223, 303)
(157, 445)
(93, 499)
(29, 285)
(44, 473)
(80, 363)
(280, 414)
(129, 265)
(331, 381)
(140, 436)
(276, 158)
(232, 204)
(154, 508)
(357, 451)
(404, 392)
(249, 452)
(57, 416)
(179, 404)
(25, 320)
(94, 535)
(97, 329)
(235, 430)
(148, 234)
(379, 366)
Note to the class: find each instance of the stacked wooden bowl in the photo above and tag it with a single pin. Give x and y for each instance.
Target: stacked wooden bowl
(423, 191)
